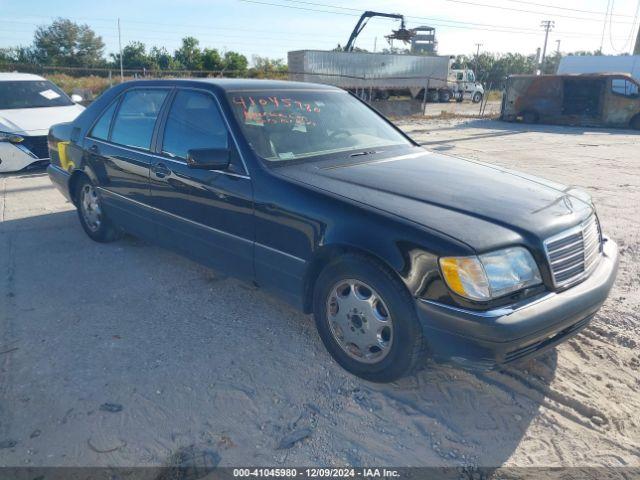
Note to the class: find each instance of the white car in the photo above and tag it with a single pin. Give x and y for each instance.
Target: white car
(29, 105)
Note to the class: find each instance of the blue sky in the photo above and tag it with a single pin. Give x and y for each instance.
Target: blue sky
(267, 30)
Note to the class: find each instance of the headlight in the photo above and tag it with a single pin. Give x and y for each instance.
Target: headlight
(10, 137)
(490, 275)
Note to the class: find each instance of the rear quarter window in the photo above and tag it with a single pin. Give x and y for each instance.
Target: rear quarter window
(101, 128)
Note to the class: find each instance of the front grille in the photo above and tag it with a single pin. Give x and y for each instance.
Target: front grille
(573, 254)
(37, 145)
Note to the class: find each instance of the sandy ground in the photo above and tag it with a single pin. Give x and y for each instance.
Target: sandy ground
(466, 108)
(125, 354)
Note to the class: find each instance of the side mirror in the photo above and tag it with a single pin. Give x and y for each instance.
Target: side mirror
(75, 98)
(209, 158)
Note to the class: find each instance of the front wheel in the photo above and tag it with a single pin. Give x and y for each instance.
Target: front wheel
(477, 97)
(367, 320)
(91, 213)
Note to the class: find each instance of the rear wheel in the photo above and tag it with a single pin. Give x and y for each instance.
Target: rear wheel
(444, 96)
(367, 320)
(92, 217)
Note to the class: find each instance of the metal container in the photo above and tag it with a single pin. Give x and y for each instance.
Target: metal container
(629, 64)
(364, 70)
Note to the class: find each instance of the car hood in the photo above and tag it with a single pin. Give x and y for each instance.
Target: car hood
(36, 121)
(483, 205)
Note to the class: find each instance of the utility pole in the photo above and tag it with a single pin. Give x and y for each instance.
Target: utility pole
(558, 48)
(547, 25)
(636, 50)
(478, 45)
(120, 46)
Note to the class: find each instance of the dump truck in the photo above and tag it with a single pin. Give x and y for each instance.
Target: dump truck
(377, 76)
(599, 100)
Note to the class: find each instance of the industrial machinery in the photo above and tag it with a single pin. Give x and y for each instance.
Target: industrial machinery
(401, 34)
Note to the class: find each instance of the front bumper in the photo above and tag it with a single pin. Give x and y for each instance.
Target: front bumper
(16, 156)
(484, 340)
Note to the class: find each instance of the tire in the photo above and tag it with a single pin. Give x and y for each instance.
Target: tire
(91, 214)
(444, 96)
(382, 95)
(477, 97)
(432, 96)
(391, 329)
(530, 117)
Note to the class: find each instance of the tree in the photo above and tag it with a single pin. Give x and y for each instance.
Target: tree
(67, 43)
(189, 55)
(235, 63)
(163, 59)
(134, 56)
(264, 67)
(493, 69)
(211, 59)
(20, 54)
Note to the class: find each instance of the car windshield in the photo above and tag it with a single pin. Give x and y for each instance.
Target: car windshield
(31, 94)
(289, 125)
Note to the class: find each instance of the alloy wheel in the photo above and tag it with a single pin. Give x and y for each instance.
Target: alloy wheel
(360, 321)
(90, 206)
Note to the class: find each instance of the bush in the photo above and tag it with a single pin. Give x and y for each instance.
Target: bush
(95, 85)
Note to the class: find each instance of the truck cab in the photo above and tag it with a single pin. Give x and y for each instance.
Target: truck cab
(465, 85)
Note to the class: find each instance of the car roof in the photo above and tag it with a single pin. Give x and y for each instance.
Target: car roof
(17, 76)
(239, 84)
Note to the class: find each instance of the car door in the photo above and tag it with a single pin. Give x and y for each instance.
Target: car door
(205, 214)
(119, 153)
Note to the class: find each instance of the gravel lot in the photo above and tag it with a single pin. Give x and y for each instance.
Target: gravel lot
(125, 354)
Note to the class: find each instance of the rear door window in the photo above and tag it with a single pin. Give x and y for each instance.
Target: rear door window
(136, 118)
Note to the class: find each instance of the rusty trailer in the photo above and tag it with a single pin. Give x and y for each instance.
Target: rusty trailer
(599, 100)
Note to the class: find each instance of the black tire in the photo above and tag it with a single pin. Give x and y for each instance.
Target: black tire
(407, 349)
(444, 96)
(477, 97)
(103, 230)
(432, 96)
(530, 117)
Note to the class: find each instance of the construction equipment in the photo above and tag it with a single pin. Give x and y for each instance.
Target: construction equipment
(401, 34)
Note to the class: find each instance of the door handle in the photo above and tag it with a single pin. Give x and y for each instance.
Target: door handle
(160, 170)
(93, 148)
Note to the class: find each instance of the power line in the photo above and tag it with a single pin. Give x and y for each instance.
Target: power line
(435, 21)
(465, 2)
(502, 29)
(593, 12)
